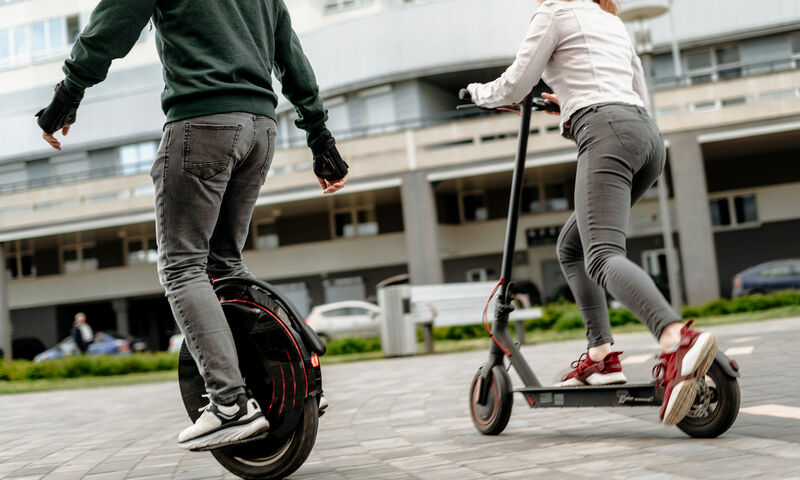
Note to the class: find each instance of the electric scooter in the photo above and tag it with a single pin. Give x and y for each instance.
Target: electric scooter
(490, 399)
(279, 360)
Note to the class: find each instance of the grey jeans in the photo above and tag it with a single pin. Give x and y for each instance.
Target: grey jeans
(207, 174)
(620, 155)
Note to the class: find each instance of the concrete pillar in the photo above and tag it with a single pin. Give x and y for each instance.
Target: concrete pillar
(120, 306)
(698, 255)
(5, 316)
(421, 230)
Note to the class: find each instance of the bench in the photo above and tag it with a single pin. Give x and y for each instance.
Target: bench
(459, 304)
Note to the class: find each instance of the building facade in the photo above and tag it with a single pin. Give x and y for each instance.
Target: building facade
(428, 188)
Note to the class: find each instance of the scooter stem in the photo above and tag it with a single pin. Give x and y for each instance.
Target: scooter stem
(516, 194)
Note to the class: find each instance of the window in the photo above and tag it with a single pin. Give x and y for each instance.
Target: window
(556, 197)
(714, 64)
(479, 274)
(531, 203)
(14, 48)
(776, 271)
(40, 40)
(142, 250)
(266, 236)
(19, 259)
(794, 41)
(473, 207)
(377, 109)
(733, 210)
(354, 222)
(137, 158)
(338, 5)
(78, 257)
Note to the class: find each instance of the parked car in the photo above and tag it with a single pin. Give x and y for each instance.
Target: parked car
(768, 277)
(105, 343)
(175, 343)
(353, 318)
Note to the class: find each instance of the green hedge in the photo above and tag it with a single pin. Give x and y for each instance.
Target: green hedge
(750, 303)
(85, 365)
(343, 346)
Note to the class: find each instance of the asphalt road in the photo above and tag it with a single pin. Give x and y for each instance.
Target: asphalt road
(407, 419)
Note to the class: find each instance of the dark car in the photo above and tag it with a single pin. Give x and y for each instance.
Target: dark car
(768, 277)
(105, 343)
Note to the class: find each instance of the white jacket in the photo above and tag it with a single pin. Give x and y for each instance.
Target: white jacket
(581, 51)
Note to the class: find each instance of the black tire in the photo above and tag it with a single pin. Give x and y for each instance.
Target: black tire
(713, 415)
(274, 457)
(492, 418)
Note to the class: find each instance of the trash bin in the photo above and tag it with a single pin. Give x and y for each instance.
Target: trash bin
(398, 335)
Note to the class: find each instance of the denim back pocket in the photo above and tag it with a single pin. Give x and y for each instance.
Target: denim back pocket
(632, 134)
(208, 148)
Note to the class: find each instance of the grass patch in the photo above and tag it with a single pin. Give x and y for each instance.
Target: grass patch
(42, 385)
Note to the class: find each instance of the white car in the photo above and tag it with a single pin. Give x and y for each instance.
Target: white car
(352, 318)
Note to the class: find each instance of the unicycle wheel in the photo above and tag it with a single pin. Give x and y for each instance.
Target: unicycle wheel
(491, 417)
(716, 406)
(274, 457)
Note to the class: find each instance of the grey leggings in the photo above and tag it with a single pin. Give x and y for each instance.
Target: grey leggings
(620, 156)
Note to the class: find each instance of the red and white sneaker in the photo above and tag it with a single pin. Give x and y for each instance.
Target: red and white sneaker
(607, 371)
(681, 368)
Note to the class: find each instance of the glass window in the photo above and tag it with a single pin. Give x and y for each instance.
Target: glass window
(20, 42)
(556, 197)
(39, 36)
(137, 158)
(776, 271)
(367, 224)
(5, 45)
(699, 60)
(475, 208)
(727, 55)
(720, 212)
(531, 203)
(73, 29)
(11, 267)
(142, 250)
(795, 41)
(267, 236)
(343, 224)
(745, 207)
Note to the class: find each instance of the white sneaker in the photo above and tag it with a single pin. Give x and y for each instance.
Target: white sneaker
(222, 425)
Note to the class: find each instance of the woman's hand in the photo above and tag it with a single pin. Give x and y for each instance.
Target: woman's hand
(551, 98)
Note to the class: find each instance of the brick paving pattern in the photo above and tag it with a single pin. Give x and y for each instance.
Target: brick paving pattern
(407, 419)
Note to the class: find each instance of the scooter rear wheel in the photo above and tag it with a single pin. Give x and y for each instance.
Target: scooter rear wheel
(492, 417)
(716, 406)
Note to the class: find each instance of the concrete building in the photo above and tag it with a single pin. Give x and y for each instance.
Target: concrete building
(429, 185)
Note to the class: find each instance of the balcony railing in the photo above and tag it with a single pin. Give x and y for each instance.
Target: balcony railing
(438, 137)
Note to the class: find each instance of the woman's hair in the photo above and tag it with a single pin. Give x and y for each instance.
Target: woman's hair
(609, 6)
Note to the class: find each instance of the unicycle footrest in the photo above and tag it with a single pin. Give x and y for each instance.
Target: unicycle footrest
(244, 441)
(593, 396)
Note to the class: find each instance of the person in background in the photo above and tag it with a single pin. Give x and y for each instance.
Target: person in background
(582, 50)
(82, 333)
(216, 150)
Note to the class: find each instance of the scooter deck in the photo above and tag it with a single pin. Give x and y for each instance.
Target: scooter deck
(245, 441)
(621, 395)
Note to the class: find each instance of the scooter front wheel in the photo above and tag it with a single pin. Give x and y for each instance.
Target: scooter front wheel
(491, 417)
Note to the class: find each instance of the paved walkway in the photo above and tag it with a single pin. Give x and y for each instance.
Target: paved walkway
(407, 419)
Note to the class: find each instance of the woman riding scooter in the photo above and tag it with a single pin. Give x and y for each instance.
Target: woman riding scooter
(582, 50)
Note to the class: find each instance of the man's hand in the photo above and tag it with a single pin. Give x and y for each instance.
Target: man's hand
(551, 98)
(59, 115)
(329, 167)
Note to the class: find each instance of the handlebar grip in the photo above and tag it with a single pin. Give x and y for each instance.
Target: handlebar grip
(463, 94)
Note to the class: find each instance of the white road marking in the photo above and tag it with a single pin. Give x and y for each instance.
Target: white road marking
(634, 359)
(773, 410)
(739, 350)
(744, 339)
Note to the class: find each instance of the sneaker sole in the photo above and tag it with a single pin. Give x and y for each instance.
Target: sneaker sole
(699, 358)
(607, 379)
(680, 401)
(227, 436)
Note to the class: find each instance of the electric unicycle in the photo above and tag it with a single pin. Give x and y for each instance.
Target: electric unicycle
(278, 357)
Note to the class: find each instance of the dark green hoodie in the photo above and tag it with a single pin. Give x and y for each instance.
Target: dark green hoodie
(218, 56)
